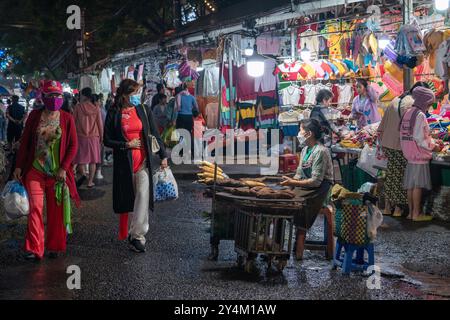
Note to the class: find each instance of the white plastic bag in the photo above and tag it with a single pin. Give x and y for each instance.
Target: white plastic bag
(15, 200)
(374, 220)
(164, 185)
(367, 160)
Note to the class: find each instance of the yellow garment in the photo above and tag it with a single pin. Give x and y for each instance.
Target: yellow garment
(246, 113)
(338, 192)
(334, 39)
(349, 144)
(394, 70)
(310, 70)
(340, 66)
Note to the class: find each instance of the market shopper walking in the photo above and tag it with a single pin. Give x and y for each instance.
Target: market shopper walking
(313, 179)
(128, 128)
(156, 97)
(389, 138)
(364, 108)
(417, 146)
(44, 164)
(159, 113)
(97, 101)
(3, 123)
(90, 135)
(16, 116)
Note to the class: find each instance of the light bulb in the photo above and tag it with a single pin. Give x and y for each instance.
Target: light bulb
(305, 54)
(255, 68)
(249, 50)
(441, 5)
(383, 42)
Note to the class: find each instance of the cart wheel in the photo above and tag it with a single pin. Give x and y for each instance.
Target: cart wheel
(248, 266)
(281, 265)
(269, 262)
(240, 261)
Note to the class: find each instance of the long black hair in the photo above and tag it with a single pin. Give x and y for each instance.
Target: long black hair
(126, 87)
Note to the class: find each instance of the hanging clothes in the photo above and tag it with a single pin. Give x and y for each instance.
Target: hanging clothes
(268, 45)
(211, 82)
(245, 84)
(291, 95)
(268, 81)
(310, 40)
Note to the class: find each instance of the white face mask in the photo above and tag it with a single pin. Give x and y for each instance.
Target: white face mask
(301, 139)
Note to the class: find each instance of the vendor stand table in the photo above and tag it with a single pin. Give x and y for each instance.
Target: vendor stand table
(440, 172)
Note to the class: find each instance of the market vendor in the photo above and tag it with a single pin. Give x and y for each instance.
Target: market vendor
(314, 177)
(364, 107)
(322, 112)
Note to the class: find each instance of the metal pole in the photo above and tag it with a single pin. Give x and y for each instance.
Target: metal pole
(293, 51)
(230, 77)
(408, 12)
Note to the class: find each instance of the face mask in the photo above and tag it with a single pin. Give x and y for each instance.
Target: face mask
(302, 139)
(135, 100)
(53, 103)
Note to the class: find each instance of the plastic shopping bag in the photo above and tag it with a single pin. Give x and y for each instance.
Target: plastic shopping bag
(164, 185)
(374, 220)
(170, 136)
(15, 200)
(367, 160)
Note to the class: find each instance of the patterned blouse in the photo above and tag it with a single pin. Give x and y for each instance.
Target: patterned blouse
(47, 149)
(317, 167)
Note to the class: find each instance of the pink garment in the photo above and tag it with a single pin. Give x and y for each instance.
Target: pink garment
(88, 120)
(268, 45)
(416, 143)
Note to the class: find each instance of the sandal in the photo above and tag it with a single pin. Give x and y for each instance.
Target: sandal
(397, 214)
(91, 186)
(423, 218)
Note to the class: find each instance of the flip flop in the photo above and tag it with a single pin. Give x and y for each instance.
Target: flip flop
(90, 187)
(423, 218)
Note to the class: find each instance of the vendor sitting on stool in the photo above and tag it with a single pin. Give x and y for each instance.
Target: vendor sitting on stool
(313, 179)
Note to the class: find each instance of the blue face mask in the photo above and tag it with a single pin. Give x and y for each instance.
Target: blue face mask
(135, 100)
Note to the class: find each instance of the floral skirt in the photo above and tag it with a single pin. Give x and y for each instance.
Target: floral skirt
(395, 172)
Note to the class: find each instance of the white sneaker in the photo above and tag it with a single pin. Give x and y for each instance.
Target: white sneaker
(98, 175)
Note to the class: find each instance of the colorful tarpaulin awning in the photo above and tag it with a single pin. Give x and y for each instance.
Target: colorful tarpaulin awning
(4, 91)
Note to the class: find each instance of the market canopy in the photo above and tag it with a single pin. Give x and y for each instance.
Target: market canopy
(4, 91)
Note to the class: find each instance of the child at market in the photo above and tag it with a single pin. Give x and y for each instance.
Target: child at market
(417, 147)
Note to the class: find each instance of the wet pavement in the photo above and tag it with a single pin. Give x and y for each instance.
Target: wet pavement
(414, 260)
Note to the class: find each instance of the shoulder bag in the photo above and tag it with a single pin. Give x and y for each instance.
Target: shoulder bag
(154, 142)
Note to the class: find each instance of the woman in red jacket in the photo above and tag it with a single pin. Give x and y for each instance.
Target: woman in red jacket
(47, 149)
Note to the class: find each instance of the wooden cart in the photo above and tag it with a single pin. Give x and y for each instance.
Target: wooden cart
(262, 227)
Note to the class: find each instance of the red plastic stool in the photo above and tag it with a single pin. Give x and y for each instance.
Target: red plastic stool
(288, 163)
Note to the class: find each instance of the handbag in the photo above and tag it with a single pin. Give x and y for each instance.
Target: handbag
(154, 142)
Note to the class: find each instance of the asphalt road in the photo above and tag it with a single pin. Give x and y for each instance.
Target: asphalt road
(414, 260)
